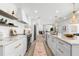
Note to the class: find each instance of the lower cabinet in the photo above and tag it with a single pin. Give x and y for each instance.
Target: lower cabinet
(51, 43)
(17, 48)
(10, 50)
(24, 41)
(63, 48)
(58, 47)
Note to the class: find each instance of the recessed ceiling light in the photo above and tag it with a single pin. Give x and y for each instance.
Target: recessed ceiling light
(57, 11)
(36, 11)
(64, 17)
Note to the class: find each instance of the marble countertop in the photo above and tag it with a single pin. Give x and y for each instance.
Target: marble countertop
(9, 40)
(72, 41)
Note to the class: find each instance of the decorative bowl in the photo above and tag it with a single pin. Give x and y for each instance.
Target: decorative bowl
(69, 35)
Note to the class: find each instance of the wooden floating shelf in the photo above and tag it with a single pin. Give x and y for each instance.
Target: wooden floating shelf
(22, 22)
(7, 15)
(7, 25)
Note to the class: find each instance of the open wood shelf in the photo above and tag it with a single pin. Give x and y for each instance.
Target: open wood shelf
(22, 22)
(7, 25)
(7, 15)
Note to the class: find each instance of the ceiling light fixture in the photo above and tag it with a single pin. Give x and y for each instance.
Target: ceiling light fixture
(36, 11)
(57, 11)
(74, 17)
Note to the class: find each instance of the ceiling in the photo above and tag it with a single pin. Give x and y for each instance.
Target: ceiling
(46, 11)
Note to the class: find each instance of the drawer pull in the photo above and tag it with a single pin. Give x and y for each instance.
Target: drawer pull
(18, 45)
(60, 50)
(61, 43)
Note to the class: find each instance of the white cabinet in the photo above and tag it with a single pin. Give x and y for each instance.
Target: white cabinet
(24, 41)
(16, 48)
(75, 50)
(51, 43)
(9, 50)
(13, 49)
(63, 48)
(58, 47)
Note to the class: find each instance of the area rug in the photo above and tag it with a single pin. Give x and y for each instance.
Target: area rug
(39, 47)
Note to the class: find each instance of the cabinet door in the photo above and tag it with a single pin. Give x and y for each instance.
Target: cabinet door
(75, 50)
(9, 50)
(21, 46)
(24, 45)
(14, 49)
(53, 45)
(18, 48)
(49, 41)
(64, 48)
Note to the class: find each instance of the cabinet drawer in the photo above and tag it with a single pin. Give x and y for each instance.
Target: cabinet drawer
(59, 53)
(11, 49)
(60, 50)
(64, 48)
(63, 44)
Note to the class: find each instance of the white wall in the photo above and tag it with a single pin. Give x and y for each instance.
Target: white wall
(19, 14)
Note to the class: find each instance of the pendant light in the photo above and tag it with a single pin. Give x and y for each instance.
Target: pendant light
(74, 17)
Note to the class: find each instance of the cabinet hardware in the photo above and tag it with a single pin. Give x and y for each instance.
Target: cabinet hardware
(18, 45)
(60, 50)
(61, 43)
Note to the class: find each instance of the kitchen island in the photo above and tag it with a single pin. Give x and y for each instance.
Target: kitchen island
(63, 46)
(13, 46)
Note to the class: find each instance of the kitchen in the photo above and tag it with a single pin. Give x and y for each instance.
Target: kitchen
(22, 24)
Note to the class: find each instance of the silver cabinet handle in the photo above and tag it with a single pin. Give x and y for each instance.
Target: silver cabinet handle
(61, 43)
(60, 50)
(18, 45)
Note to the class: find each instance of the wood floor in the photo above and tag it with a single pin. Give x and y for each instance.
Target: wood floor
(39, 48)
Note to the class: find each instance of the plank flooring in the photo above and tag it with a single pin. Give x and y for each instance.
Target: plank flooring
(39, 48)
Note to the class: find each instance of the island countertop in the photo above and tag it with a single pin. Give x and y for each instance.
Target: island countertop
(72, 41)
(9, 40)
